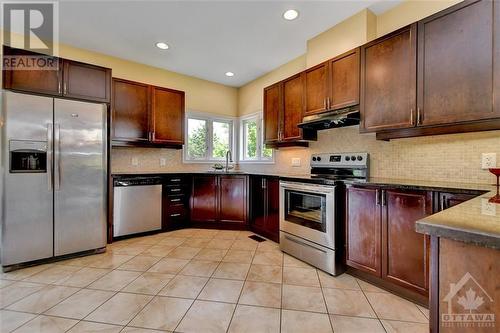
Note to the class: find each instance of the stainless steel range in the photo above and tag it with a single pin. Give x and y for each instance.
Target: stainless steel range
(311, 209)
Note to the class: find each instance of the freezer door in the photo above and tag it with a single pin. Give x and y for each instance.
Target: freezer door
(80, 173)
(27, 212)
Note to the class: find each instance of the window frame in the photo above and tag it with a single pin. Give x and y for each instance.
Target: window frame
(210, 119)
(260, 159)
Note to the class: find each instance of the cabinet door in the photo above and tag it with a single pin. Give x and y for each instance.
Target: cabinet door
(258, 203)
(344, 71)
(84, 81)
(405, 252)
(130, 120)
(293, 106)
(363, 229)
(316, 89)
(233, 199)
(447, 200)
(38, 80)
(456, 59)
(204, 199)
(388, 81)
(273, 104)
(272, 185)
(167, 116)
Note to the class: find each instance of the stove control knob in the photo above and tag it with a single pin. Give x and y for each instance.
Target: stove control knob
(319, 158)
(347, 158)
(314, 158)
(353, 158)
(360, 158)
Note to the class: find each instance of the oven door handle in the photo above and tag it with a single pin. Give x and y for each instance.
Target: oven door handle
(321, 189)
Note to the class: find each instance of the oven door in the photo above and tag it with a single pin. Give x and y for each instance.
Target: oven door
(307, 211)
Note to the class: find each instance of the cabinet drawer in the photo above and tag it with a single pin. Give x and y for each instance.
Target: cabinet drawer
(176, 189)
(177, 200)
(176, 180)
(176, 213)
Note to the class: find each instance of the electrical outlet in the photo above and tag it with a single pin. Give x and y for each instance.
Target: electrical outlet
(135, 161)
(488, 208)
(296, 161)
(488, 160)
(163, 161)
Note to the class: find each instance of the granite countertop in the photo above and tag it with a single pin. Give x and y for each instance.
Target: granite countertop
(475, 221)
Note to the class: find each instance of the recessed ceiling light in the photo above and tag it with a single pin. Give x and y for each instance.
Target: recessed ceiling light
(229, 74)
(162, 45)
(290, 14)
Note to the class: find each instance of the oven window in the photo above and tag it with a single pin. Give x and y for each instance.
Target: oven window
(306, 209)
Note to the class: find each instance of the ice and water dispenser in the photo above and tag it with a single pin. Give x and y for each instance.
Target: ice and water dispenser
(28, 156)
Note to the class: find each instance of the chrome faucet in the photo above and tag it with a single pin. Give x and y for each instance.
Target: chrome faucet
(229, 158)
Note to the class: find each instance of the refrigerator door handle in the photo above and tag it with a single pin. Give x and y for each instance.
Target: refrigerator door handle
(57, 157)
(50, 144)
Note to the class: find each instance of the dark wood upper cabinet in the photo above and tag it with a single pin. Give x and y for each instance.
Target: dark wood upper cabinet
(405, 252)
(316, 89)
(129, 112)
(204, 199)
(458, 56)
(167, 116)
(68, 78)
(388, 81)
(84, 81)
(292, 108)
(233, 198)
(265, 206)
(344, 80)
(363, 229)
(272, 113)
(47, 82)
(145, 115)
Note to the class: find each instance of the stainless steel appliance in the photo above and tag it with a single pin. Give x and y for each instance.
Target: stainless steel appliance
(54, 175)
(310, 209)
(137, 205)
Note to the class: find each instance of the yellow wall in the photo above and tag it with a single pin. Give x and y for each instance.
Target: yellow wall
(201, 95)
(343, 37)
(408, 12)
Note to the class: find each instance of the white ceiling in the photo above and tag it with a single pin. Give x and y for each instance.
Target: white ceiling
(206, 38)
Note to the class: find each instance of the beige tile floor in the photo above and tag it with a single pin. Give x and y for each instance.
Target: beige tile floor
(192, 281)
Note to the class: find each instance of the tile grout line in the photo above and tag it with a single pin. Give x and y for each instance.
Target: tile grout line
(324, 300)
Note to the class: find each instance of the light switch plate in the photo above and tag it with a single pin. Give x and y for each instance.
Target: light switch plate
(163, 161)
(296, 161)
(488, 160)
(134, 161)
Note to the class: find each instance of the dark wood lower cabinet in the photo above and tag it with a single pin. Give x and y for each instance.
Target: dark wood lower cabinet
(265, 206)
(405, 253)
(204, 199)
(233, 199)
(363, 229)
(219, 199)
(381, 239)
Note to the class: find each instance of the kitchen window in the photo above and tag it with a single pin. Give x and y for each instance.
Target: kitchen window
(252, 148)
(207, 138)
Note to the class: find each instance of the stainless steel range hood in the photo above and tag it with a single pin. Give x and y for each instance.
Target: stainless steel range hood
(332, 119)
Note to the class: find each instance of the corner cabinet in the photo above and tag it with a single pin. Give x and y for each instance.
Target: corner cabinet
(381, 239)
(219, 200)
(146, 115)
(70, 79)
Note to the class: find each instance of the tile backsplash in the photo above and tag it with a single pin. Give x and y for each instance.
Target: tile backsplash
(455, 157)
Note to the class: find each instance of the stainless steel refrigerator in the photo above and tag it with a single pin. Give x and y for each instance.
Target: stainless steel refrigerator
(54, 177)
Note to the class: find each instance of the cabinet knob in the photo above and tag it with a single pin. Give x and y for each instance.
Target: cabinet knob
(419, 116)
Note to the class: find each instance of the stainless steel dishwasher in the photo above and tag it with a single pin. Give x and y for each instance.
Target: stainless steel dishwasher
(137, 205)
